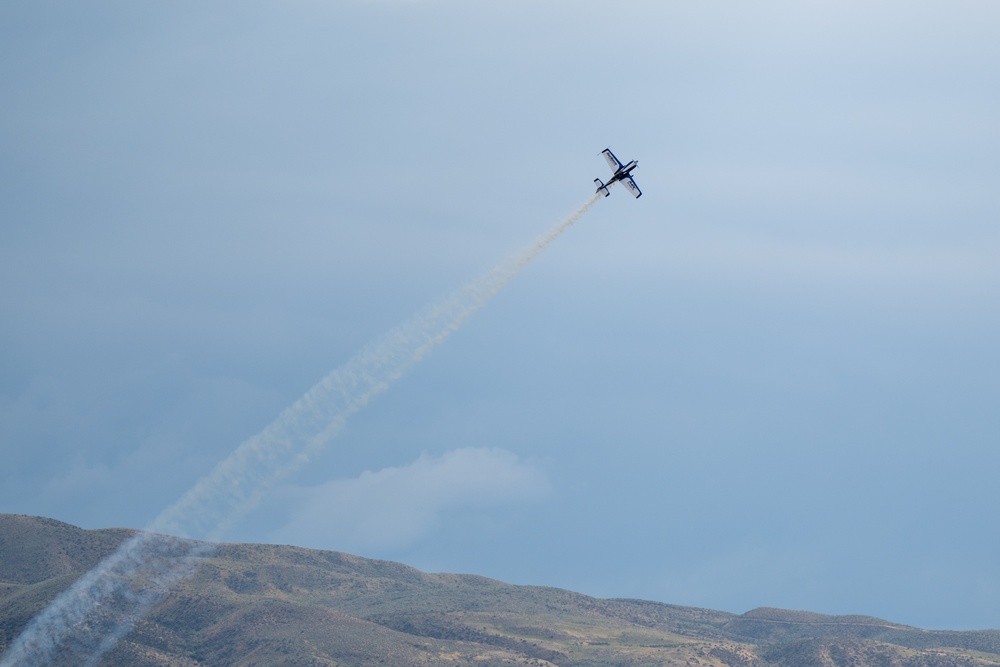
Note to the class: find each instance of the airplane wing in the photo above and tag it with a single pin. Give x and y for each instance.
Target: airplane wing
(632, 187)
(612, 160)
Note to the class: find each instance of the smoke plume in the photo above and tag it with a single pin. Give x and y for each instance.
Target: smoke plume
(86, 620)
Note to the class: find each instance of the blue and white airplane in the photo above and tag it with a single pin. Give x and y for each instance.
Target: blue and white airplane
(622, 173)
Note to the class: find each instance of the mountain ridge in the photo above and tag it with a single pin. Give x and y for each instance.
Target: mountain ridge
(259, 604)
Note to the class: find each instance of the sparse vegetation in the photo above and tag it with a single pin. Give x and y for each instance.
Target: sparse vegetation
(269, 605)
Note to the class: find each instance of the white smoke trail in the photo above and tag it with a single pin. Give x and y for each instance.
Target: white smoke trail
(86, 620)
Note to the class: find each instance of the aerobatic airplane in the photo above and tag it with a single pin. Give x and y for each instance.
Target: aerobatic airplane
(622, 173)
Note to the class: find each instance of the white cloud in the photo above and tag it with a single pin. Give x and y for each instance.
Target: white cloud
(398, 506)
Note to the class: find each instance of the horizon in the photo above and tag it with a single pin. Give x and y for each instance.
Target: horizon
(211, 554)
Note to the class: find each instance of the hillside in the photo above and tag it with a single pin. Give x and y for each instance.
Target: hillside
(277, 605)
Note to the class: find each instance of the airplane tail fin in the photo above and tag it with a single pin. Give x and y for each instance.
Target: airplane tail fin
(601, 187)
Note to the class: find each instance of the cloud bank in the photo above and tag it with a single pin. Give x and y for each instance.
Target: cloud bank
(398, 506)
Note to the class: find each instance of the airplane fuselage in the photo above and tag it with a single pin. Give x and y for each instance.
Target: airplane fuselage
(624, 171)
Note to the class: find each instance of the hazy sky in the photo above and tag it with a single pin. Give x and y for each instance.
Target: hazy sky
(771, 381)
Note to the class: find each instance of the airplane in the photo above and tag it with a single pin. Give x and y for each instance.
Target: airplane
(622, 173)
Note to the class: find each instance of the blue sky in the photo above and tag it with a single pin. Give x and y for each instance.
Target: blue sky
(772, 381)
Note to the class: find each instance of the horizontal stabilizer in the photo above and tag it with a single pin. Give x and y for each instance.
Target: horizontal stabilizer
(601, 188)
